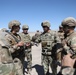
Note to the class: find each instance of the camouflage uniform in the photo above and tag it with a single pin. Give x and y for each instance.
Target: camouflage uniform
(48, 40)
(61, 36)
(4, 30)
(7, 66)
(17, 52)
(37, 34)
(61, 33)
(25, 37)
(69, 43)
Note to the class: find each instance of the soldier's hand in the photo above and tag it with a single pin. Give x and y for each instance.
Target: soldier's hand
(20, 44)
(28, 44)
(68, 61)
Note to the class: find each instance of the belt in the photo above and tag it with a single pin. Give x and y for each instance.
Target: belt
(46, 54)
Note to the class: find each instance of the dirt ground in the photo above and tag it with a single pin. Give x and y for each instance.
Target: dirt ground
(36, 61)
(37, 69)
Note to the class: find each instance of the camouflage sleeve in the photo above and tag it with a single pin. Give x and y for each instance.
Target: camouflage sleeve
(57, 39)
(57, 42)
(30, 38)
(68, 71)
(38, 40)
(73, 43)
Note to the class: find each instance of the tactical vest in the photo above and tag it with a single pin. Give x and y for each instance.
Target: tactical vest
(26, 39)
(61, 35)
(14, 40)
(5, 55)
(47, 42)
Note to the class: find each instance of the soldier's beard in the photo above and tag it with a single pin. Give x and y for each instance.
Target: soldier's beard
(46, 30)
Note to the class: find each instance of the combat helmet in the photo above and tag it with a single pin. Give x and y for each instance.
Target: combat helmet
(70, 21)
(45, 23)
(25, 27)
(13, 23)
(4, 30)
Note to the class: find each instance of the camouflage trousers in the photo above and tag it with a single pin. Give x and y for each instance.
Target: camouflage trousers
(28, 56)
(48, 61)
(7, 69)
(18, 66)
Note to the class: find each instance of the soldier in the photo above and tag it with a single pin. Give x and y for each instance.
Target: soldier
(48, 39)
(4, 30)
(69, 43)
(37, 34)
(61, 32)
(7, 66)
(25, 37)
(16, 45)
(61, 36)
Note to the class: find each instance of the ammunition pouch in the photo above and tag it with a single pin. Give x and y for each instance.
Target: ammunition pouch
(44, 44)
(5, 56)
(7, 69)
(17, 63)
(48, 44)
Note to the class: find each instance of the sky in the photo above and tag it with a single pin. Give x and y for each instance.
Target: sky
(33, 12)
